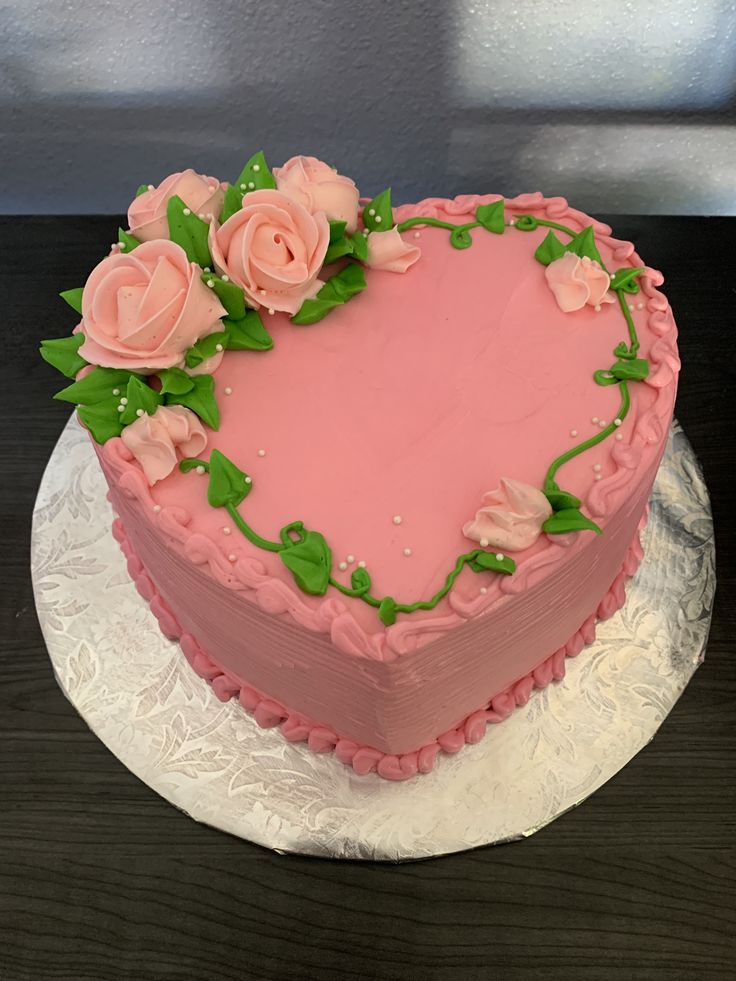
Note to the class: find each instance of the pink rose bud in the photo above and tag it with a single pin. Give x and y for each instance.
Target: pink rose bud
(511, 518)
(274, 248)
(141, 310)
(159, 441)
(147, 213)
(576, 281)
(389, 251)
(317, 187)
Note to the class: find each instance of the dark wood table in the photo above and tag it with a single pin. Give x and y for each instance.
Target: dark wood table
(101, 880)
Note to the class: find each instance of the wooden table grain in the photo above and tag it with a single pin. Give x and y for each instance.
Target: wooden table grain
(101, 880)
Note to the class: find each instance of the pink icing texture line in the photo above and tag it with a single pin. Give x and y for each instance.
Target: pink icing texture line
(269, 713)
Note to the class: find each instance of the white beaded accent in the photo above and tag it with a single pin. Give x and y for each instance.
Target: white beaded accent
(397, 519)
(251, 185)
(483, 543)
(121, 408)
(350, 558)
(594, 420)
(232, 557)
(603, 423)
(597, 477)
(261, 453)
(619, 437)
(484, 589)
(596, 467)
(226, 530)
(256, 168)
(573, 432)
(150, 187)
(407, 552)
(597, 308)
(371, 211)
(417, 234)
(225, 278)
(361, 564)
(156, 508)
(378, 219)
(218, 347)
(617, 422)
(271, 311)
(639, 306)
(228, 390)
(199, 470)
(187, 212)
(211, 283)
(201, 215)
(249, 480)
(116, 391)
(123, 401)
(242, 187)
(343, 566)
(139, 412)
(499, 556)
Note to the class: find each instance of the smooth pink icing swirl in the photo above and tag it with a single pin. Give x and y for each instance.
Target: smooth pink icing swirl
(147, 213)
(511, 518)
(156, 440)
(142, 310)
(576, 281)
(317, 187)
(389, 251)
(274, 248)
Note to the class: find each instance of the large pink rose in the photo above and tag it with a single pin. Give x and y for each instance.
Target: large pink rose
(147, 213)
(143, 309)
(318, 187)
(159, 441)
(511, 518)
(576, 281)
(274, 248)
(389, 251)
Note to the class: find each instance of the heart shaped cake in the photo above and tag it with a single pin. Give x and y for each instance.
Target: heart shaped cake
(379, 470)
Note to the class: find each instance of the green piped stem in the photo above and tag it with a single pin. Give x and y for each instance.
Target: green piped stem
(532, 222)
(251, 535)
(633, 338)
(435, 223)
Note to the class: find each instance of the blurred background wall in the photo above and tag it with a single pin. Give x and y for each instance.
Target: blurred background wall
(625, 106)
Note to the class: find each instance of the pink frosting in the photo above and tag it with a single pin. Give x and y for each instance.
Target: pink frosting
(147, 213)
(389, 251)
(576, 281)
(274, 248)
(512, 516)
(315, 185)
(155, 440)
(142, 310)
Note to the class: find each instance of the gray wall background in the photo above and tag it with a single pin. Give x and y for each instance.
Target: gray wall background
(620, 106)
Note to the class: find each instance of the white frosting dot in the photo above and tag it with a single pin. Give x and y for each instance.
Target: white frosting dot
(484, 589)
(603, 423)
(211, 283)
(201, 215)
(251, 185)
(343, 566)
(123, 401)
(271, 311)
(256, 168)
(156, 508)
(262, 292)
(596, 467)
(232, 557)
(617, 422)
(639, 306)
(371, 211)
(573, 432)
(361, 564)
(483, 543)
(407, 552)
(631, 306)
(116, 391)
(597, 308)
(242, 187)
(499, 556)
(249, 480)
(350, 558)
(619, 437)
(206, 269)
(512, 222)
(228, 390)
(150, 187)
(261, 453)
(187, 211)
(199, 470)
(594, 420)
(218, 348)
(378, 219)
(397, 519)
(225, 278)
(417, 234)
(139, 412)
(226, 530)
(121, 408)
(597, 477)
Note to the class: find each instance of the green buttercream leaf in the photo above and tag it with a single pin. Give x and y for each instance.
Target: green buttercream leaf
(227, 484)
(174, 381)
(141, 398)
(569, 519)
(337, 290)
(625, 279)
(127, 241)
(73, 298)
(188, 231)
(487, 562)
(360, 246)
(62, 353)
(633, 369)
(95, 387)
(309, 561)
(103, 419)
(247, 334)
(255, 172)
(387, 610)
(142, 188)
(550, 249)
(337, 230)
(460, 238)
(360, 580)
(583, 244)
(336, 250)
(200, 399)
(232, 203)
(382, 217)
(205, 348)
(229, 294)
(562, 501)
(491, 216)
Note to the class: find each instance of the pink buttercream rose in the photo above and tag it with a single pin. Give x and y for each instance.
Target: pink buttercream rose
(159, 441)
(147, 213)
(315, 185)
(389, 251)
(143, 309)
(274, 248)
(576, 281)
(511, 518)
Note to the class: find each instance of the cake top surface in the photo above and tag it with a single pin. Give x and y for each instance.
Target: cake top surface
(483, 394)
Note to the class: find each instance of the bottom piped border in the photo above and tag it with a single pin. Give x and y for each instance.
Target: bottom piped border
(269, 713)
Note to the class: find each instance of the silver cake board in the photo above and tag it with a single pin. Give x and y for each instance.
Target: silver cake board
(137, 693)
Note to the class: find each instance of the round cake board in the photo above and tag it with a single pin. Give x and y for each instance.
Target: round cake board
(137, 693)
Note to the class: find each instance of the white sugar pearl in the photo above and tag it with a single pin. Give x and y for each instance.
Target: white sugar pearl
(594, 420)
(139, 412)
(603, 423)
(225, 278)
(343, 566)
(631, 306)
(226, 530)
(256, 168)
(201, 215)
(249, 480)
(407, 552)
(150, 187)
(573, 432)
(271, 311)
(206, 269)
(619, 437)
(361, 564)
(597, 308)
(116, 391)
(218, 348)
(187, 211)
(251, 185)
(228, 391)
(512, 222)
(397, 519)
(484, 589)
(211, 283)
(639, 306)
(262, 292)
(596, 467)
(242, 187)
(199, 470)
(417, 234)
(232, 556)
(371, 211)
(483, 543)
(121, 408)
(597, 477)
(156, 508)
(617, 422)
(123, 401)
(261, 453)
(378, 219)
(499, 556)
(350, 558)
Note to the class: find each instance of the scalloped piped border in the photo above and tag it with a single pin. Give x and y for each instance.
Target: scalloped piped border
(332, 615)
(269, 713)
